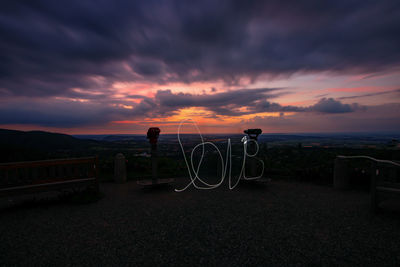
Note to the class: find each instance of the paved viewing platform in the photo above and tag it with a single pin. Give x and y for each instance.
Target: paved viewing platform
(281, 223)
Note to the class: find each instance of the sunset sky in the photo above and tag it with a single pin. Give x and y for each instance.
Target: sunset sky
(106, 67)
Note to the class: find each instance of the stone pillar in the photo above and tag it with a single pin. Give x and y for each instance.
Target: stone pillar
(340, 174)
(120, 168)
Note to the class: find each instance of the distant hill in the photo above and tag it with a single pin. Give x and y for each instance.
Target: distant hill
(40, 140)
(112, 138)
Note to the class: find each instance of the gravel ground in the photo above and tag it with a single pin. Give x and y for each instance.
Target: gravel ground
(283, 223)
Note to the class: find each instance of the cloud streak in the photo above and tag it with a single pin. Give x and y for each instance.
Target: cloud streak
(395, 92)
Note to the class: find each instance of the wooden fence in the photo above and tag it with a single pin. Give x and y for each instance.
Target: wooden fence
(48, 175)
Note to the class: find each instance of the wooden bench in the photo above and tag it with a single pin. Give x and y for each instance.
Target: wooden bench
(18, 178)
(385, 183)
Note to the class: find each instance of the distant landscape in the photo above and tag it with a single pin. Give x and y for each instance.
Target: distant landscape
(302, 157)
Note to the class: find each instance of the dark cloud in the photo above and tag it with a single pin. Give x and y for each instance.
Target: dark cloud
(147, 68)
(324, 105)
(229, 103)
(330, 105)
(240, 97)
(48, 47)
(246, 101)
(267, 106)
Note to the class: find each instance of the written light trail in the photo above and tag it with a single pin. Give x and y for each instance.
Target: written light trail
(225, 163)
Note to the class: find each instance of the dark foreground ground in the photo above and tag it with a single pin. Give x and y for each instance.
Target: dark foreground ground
(279, 224)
